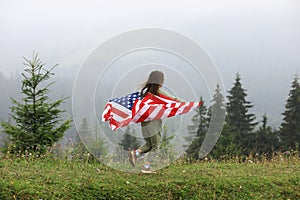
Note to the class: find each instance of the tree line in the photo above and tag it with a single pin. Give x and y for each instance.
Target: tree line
(36, 122)
(242, 133)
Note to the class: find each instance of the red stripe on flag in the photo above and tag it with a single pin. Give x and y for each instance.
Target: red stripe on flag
(160, 113)
(107, 114)
(173, 112)
(137, 107)
(114, 122)
(118, 124)
(200, 103)
(119, 112)
(146, 114)
(188, 108)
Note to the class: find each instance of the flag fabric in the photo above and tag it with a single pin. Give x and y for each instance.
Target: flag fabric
(129, 109)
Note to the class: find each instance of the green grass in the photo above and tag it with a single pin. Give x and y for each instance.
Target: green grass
(61, 179)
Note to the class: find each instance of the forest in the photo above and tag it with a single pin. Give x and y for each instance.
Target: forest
(242, 134)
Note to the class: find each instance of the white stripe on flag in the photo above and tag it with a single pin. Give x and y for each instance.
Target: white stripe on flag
(105, 112)
(154, 113)
(167, 112)
(123, 109)
(140, 113)
(181, 109)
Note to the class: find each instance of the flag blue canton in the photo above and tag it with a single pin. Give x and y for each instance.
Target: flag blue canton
(127, 101)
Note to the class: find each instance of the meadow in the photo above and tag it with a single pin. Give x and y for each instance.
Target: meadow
(58, 178)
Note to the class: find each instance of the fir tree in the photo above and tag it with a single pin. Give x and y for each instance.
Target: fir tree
(5, 140)
(99, 147)
(290, 127)
(38, 121)
(226, 149)
(216, 114)
(239, 119)
(129, 141)
(84, 134)
(217, 111)
(94, 144)
(266, 140)
(85, 131)
(197, 132)
(166, 146)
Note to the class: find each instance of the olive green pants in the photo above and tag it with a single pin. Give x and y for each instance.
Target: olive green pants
(151, 131)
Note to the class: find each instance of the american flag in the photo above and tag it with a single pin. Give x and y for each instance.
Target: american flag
(132, 108)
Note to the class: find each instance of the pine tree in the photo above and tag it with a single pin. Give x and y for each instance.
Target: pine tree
(5, 139)
(217, 112)
(266, 140)
(226, 149)
(129, 141)
(239, 119)
(166, 146)
(38, 120)
(84, 134)
(197, 132)
(99, 148)
(87, 141)
(290, 127)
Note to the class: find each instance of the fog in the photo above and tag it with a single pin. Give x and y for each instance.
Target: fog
(260, 39)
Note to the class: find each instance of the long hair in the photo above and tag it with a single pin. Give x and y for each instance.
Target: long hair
(155, 80)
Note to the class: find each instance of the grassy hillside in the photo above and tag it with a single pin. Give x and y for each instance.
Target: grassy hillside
(61, 179)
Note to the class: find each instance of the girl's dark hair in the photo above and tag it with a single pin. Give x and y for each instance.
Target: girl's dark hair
(155, 80)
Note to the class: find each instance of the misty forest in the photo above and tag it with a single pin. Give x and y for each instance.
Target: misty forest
(36, 117)
(70, 74)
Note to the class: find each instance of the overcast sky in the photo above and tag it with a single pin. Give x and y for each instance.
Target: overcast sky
(258, 38)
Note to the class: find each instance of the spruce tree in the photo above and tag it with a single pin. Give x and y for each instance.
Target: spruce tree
(240, 121)
(38, 119)
(266, 140)
(290, 127)
(5, 139)
(217, 112)
(166, 146)
(226, 148)
(217, 104)
(99, 147)
(89, 142)
(197, 132)
(129, 141)
(84, 134)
